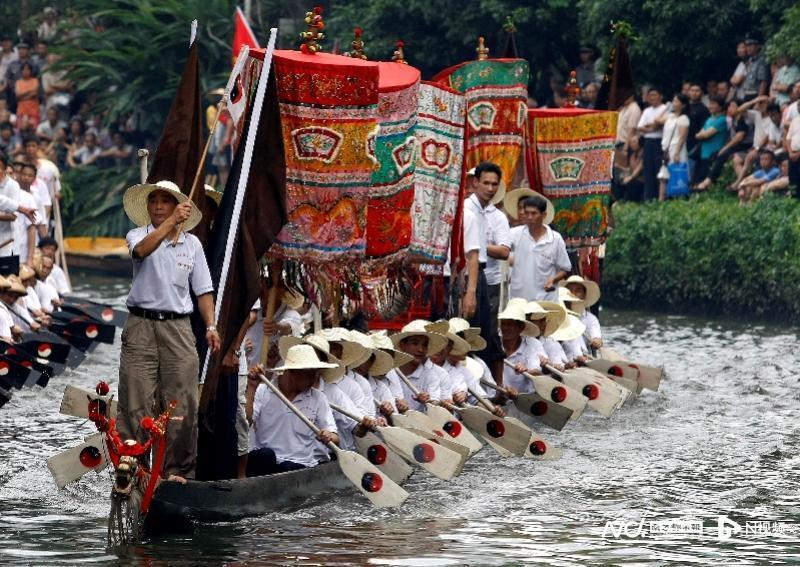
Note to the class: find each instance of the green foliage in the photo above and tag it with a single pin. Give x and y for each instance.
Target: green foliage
(129, 56)
(785, 40)
(92, 203)
(706, 254)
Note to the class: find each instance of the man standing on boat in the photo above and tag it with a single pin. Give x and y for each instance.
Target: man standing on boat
(158, 360)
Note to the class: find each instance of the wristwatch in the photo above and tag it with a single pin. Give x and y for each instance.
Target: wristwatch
(211, 329)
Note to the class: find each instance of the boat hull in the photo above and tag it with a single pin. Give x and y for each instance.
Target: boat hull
(175, 507)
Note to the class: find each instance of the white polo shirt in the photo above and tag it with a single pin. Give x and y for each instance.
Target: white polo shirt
(42, 195)
(499, 234)
(48, 172)
(10, 191)
(426, 379)
(352, 389)
(535, 261)
(475, 227)
(47, 293)
(553, 350)
(162, 280)
(475, 383)
(368, 405)
(381, 391)
(21, 225)
(277, 427)
(592, 325)
(649, 116)
(395, 386)
(32, 300)
(6, 322)
(344, 424)
(529, 358)
(574, 348)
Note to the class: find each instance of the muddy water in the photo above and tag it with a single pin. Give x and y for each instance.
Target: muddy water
(651, 486)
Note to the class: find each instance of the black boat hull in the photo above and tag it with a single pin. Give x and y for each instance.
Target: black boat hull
(175, 507)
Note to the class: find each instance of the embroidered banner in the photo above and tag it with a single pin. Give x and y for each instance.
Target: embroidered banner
(440, 139)
(329, 109)
(570, 160)
(395, 152)
(496, 92)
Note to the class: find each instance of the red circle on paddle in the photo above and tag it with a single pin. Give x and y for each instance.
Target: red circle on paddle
(452, 428)
(538, 447)
(539, 408)
(45, 350)
(4, 366)
(615, 371)
(90, 457)
(91, 331)
(371, 482)
(376, 454)
(496, 428)
(107, 314)
(591, 391)
(559, 394)
(424, 453)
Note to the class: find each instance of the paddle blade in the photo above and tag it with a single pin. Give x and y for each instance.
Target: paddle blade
(453, 427)
(103, 313)
(75, 402)
(5, 397)
(381, 490)
(603, 395)
(46, 350)
(70, 465)
(436, 459)
(539, 449)
(383, 456)
(649, 376)
(511, 436)
(559, 393)
(547, 412)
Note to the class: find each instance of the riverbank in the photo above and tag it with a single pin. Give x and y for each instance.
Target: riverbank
(706, 255)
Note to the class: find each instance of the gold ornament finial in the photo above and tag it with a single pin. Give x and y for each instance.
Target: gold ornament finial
(312, 36)
(482, 50)
(398, 56)
(572, 90)
(357, 45)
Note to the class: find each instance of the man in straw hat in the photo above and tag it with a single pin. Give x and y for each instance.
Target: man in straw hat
(281, 441)
(486, 187)
(158, 358)
(417, 340)
(514, 328)
(8, 329)
(589, 293)
(539, 254)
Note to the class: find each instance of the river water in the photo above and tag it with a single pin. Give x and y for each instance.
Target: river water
(650, 486)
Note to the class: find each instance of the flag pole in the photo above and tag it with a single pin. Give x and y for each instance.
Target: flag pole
(255, 118)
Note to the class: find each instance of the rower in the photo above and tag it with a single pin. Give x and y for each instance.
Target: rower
(416, 340)
(49, 248)
(286, 321)
(158, 358)
(575, 349)
(361, 371)
(453, 386)
(281, 441)
(352, 354)
(388, 393)
(588, 292)
(539, 254)
(13, 298)
(8, 330)
(555, 315)
(514, 326)
(48, 294)
(27, 276)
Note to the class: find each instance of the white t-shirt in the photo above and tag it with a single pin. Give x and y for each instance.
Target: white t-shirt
(42, 195)
(9, 189)
(499, 235)
(368, 406)
(649, 116)
(6, 322)
(21, 226)
(344, 424)
(592, 325)
(425, 378)
(672, 137)
(47, 293)
(535, 262)
(475, 227)
(350, 386)
(627, 121)
(277, 427)
(553, 350)
(58, 279)
(48, 172)
(528, 357)
(381, 390)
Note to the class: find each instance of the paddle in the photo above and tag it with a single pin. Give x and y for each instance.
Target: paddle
(437, 460)
(380, 454)
(70, 465)
(626, 377)
(547, 412)
(603, 394)
(445, 420)
(103, 313)
(550, 388)
(5, 396)
(646, 376)
(378, 488)
(496, 431)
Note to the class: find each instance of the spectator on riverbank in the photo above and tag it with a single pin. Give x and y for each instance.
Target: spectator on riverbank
(651, 131)
(26, 91)
(712, 139)
(786, 76)
(673, 142)
(87, 154)
(768, 171)
(739, 73)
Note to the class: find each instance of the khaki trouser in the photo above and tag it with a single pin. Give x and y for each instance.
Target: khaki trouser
(158, 363)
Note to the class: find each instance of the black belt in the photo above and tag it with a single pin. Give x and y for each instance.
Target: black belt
(156, 315)
(482, 265)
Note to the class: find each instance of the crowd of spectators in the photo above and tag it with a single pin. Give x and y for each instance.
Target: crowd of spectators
(750, 121)
(38, 101)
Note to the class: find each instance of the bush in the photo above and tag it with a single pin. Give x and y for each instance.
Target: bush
(706, 254)
(92, 201)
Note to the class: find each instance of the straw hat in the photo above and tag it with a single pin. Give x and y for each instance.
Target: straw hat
(592, 289)
(436, 342)
(472, 335)
(565, 296)
(383, 361)
(353, 353)
(303, 357)
(460, 346)
(135, 203)
(321, 346)
(215, 195)
(16, 285)
(534, 311)
(515, 312)
(26, 272)
(556, 313)
(501, 190)
(382, 341)
(512, 198)
(292, 299)
(4, 284)
(571, 329)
